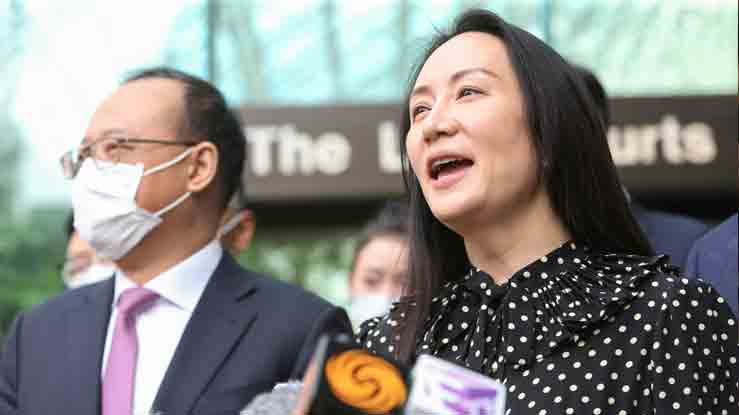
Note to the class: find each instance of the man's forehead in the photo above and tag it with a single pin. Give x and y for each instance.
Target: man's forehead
(139, 105)
(148, 95)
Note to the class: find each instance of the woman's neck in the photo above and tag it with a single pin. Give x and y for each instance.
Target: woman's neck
(501, 248)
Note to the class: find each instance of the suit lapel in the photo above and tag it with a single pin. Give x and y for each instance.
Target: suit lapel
(86, 329)
(220, 319)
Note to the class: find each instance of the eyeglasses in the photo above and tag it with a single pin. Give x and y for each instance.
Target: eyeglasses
(107, 150)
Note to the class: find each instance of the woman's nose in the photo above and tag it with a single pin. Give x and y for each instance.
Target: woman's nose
(438, 124)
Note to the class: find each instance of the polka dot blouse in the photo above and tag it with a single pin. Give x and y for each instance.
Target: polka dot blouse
(583, 333)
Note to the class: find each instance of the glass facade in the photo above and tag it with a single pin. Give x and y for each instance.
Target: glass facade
(338, 51)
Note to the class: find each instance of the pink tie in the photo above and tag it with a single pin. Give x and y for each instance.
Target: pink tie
(118, 381)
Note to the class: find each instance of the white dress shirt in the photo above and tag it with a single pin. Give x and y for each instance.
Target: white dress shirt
(160, 327)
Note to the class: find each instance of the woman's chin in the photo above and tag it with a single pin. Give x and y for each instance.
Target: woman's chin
(453, 214)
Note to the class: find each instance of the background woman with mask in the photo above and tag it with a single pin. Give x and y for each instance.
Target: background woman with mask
(82, 265)
(379, 269)
(525, 262)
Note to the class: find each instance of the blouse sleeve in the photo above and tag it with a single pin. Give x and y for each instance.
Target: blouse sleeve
(375, 335)
(693, 364)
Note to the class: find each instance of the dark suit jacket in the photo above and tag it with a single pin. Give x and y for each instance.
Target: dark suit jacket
(669, 233)
(714, 258)
(246, 333)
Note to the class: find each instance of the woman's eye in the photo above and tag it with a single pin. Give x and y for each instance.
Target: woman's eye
(418, 110)
(464, 92)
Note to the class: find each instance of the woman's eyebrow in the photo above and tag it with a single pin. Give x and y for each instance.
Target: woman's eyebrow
(469, 71)
(426, 89)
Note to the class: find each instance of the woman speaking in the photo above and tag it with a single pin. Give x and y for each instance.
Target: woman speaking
(525, 262)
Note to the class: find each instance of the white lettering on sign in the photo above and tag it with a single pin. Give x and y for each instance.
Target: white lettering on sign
(388, 148)
(261, 139)
(295, 153)
(333, 153)
(694, 143)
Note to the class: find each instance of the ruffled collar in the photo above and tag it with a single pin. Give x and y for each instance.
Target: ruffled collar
(558, 299)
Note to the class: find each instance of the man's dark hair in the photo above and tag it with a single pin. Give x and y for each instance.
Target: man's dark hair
(597, 92)
(208, 118)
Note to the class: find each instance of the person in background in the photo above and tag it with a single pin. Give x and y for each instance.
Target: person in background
(525, 261)
(714, 258)
(181, 328)
(82, 266)
(238, 224)
(379, 268)
(669, 233)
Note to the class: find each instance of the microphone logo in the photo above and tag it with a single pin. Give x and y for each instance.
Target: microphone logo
(364, 381)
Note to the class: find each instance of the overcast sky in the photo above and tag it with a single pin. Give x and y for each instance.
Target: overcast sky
(76, 53)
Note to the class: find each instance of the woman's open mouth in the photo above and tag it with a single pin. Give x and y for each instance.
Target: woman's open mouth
(447, 171)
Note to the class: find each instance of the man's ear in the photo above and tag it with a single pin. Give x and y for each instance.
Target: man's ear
(244, 232)
(203, 166)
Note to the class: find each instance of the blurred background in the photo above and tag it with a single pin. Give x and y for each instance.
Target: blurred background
(330, 74)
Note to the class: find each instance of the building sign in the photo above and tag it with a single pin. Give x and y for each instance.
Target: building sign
(682, 147)
(676, 147)
(322, 153)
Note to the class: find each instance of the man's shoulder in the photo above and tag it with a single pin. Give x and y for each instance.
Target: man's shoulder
(720, 236)
(66, 301)
(281, 293)
(670, 223)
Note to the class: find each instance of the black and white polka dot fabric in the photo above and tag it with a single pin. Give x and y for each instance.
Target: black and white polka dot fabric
(583, 333)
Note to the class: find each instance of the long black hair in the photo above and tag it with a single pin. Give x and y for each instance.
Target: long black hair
(575, 166)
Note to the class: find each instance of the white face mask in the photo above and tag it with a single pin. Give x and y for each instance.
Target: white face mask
(366, 307)
(105, 210)
(94, 273)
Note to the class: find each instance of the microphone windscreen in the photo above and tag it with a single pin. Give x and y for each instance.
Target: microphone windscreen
(441, 387)
(282, 400)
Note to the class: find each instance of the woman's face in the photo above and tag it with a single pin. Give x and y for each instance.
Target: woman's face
(468, 143)
(381, 267)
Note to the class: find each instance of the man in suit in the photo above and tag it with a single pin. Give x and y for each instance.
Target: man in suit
(668, 233)
(237, 224)
(714, 258)
(181, 328)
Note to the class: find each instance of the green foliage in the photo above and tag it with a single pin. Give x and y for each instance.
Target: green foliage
(32, 251)
(316, 261)
(31, 254)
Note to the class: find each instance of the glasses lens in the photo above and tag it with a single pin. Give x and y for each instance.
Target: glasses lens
(68, 163)
(105, 153)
